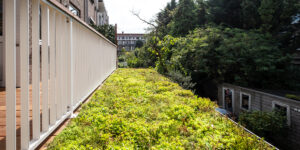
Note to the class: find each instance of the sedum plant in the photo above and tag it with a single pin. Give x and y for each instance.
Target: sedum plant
(141, 109)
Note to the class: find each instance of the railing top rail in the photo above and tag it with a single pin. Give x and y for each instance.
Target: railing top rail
(67, 12)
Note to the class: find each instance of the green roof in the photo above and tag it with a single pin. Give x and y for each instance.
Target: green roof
(141, 109)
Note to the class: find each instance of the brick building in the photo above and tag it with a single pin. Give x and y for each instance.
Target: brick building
(91, 11)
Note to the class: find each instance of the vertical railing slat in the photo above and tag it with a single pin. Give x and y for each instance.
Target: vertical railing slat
(10, 71)
(52, 93)
(24, 49)
(58, 65)
(35, 70)
(45, 68)
(71, 66)
(63, 63)
(68, 75)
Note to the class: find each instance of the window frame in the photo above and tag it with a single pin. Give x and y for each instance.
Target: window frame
(75, 8)
(223, 97)
(241, 101)
(288, 111)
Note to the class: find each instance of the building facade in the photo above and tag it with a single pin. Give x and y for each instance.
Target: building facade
(102, 16)
(128, 41)
(236, 99)
(91, 11)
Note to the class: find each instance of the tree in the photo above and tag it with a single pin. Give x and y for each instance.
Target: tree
(250, 16)
(107, 30)
(226, 12)
(139, 44)
(173, 5)
(164, 17)
(201, 12)
(232, 55)
(184, 18)
(269, 11)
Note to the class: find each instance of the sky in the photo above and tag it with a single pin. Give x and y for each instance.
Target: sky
(119, 12)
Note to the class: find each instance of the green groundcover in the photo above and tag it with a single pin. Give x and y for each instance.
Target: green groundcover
(141, 109)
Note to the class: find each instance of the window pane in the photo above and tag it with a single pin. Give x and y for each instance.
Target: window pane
(74, 10)
(245, 101)
(228, 99)
(281, 109)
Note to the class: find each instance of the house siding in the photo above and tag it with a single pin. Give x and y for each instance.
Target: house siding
(261, 101)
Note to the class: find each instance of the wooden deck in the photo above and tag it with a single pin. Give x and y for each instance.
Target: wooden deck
(18, 117)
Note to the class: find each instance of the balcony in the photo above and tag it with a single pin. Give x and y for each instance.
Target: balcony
(53, 77)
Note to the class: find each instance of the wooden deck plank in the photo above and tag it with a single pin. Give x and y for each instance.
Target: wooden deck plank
(18, 115)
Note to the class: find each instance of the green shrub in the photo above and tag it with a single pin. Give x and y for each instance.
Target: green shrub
(265, 124)
(291, 96)
(182, 80)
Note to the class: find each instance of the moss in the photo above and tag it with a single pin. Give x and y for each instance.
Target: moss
(141, 109)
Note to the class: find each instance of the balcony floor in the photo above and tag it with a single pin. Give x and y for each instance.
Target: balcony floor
(18, 117)
(43, 145)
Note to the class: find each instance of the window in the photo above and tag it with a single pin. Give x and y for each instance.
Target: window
(245, 101)
(74, 10)
(228, 100)
(283, 109)
(138, 38)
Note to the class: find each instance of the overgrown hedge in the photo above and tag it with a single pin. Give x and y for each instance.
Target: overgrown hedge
(141, 109)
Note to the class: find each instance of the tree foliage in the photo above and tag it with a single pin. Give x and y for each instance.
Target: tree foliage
(244, 42)
(139, 44)
(107, 30)
(246, 58)
(184, 18)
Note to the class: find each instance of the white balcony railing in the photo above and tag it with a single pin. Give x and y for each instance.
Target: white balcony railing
(75, 60)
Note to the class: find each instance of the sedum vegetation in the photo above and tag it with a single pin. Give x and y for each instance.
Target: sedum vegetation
(141, 109)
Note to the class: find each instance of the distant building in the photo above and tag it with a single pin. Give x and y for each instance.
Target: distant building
(102, 14)
(128, 40)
